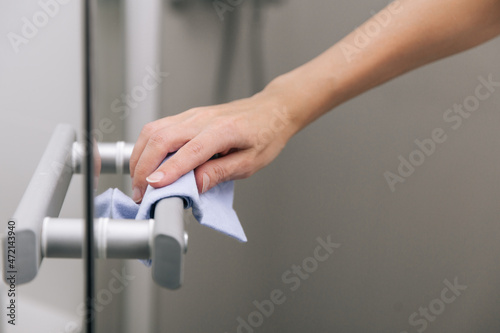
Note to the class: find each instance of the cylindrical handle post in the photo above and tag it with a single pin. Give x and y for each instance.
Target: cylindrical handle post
(115, 157)
(114, 238)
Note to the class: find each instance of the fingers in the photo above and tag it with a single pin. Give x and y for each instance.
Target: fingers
(156, 149)
(237, 165)
(194, 153)
(233, 131)
(147, 131)
(156, 127)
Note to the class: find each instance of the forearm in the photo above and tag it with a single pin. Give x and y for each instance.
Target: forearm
(417, 32)
(249, 133)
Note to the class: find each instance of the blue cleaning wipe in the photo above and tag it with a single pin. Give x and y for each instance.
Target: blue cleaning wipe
(213, 208)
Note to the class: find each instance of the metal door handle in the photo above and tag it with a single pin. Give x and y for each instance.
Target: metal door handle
(40, 233)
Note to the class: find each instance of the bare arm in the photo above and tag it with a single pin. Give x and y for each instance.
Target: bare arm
(250, 133)
(419, 32)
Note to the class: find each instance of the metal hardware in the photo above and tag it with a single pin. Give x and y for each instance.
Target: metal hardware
(40, 233)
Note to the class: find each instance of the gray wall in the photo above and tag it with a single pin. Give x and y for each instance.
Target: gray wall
(397, 248)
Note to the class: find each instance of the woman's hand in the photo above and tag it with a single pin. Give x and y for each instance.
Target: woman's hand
(246, 134)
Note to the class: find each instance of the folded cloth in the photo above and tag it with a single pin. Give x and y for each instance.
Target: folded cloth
(213, 208)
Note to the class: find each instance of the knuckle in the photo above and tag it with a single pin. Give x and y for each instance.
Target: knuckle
(195, 148)
(157, 140)
(225, 130)
(210, 112)
(204, 110)
(198, 112)
(220, 173)
(194, 110)
(149, 128)
(227, 124)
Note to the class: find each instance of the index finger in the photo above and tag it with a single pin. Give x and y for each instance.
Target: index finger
(193, 154)
(147, 131)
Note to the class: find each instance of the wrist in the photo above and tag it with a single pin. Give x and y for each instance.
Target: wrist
(282, 98)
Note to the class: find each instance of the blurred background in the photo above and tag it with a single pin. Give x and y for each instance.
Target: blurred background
(420, 258)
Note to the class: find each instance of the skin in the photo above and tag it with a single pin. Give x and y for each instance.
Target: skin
(249, 133)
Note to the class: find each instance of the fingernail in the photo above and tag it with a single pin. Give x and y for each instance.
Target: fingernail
(136, 195)
(206, 183)
(155, 177)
